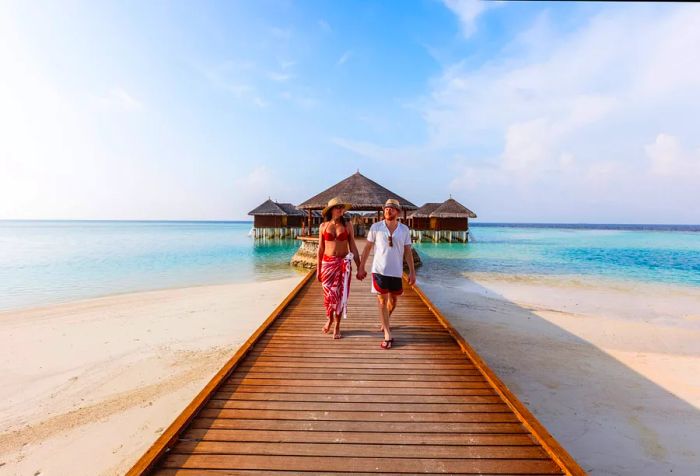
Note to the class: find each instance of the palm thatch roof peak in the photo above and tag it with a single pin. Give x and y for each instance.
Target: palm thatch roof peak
(270, 208)
(361, 192)
(290, 209)
(451, 208)
(425, 210)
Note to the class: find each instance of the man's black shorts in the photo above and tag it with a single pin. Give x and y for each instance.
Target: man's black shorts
(386, 284)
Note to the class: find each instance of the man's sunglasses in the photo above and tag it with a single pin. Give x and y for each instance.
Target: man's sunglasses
(391, 241)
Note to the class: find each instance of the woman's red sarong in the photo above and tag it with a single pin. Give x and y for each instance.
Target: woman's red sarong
(336, 273)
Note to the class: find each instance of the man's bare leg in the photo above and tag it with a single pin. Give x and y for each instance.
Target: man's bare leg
(391, 304)
(382, 301)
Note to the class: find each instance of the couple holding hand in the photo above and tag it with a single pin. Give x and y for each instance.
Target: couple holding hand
(391, 241)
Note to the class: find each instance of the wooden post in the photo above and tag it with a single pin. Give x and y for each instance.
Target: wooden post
(309, 221)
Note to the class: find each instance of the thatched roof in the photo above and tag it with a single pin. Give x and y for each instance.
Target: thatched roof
(425, 210)
(270, 208)
(291, 210)
(361, 192)
(451, 208)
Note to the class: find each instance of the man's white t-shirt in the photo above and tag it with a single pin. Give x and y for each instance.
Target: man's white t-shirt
(388, 260)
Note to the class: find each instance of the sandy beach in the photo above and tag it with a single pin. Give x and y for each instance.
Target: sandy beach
(611, 369)
(96, 381)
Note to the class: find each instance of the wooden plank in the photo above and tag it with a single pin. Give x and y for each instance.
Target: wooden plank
(343, 397)
(343, 364)
(362, 416)
(370, 390)
(168, 437)
(381, 377)
(324, 369)
(377, 465)
(253, 472)
(479, 383)
(360, 450)
(362, 407)
(372, 426)
(375, 438)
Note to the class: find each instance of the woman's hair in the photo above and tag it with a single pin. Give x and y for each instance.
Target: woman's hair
(328, 216)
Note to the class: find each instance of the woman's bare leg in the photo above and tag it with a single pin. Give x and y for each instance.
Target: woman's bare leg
(336, 332)
(327, 327)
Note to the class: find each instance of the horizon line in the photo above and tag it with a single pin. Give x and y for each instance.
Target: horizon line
(107, 220)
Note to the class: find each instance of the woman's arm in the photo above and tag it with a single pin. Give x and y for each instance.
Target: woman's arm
(321, 250)
(353, 246)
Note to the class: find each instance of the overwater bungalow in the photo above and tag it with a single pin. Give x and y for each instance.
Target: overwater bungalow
(447, 221)
(364, 194)
(420, 219)
(277, 220)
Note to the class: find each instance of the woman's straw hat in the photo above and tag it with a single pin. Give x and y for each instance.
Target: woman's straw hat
(334, 202)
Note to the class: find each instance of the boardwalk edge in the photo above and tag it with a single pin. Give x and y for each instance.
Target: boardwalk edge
(170, 435)
(548, 442)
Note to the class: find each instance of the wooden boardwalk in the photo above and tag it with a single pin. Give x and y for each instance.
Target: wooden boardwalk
(294, 400)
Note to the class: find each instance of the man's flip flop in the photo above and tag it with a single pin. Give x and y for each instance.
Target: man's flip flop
(337, 336)
(387, 344)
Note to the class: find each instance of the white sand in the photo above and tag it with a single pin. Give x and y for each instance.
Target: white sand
(611, 369)
(88, 386)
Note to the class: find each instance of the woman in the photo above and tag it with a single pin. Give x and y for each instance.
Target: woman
(336, 250)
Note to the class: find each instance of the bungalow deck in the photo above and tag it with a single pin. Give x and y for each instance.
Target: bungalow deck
(293, 400)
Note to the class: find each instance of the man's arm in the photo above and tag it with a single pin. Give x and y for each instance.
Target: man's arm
(408, 256)
(363, 262)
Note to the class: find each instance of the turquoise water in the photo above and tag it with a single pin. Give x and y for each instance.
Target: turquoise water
(655, 256)
(45, 262)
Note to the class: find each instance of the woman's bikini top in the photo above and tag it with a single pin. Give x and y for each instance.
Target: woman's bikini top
(331, 237)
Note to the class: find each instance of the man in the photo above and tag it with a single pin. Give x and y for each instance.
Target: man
(392, 243)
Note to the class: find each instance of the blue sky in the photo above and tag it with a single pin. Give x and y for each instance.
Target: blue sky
(524, 112)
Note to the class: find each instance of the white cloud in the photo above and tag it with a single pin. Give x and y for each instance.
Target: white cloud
(669, 159)
(599, 93)
(280, 77)
(558, 125)
(304, 101)
(238, 78)
(397, 155)
(282, 34)
(255, 186)
(325, 26)
(467, 11)
(344, 58)
(118, 99)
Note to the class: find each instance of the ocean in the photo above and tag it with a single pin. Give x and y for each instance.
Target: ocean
(46, 262)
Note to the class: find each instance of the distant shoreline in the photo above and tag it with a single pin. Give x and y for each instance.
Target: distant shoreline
(573, 226)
